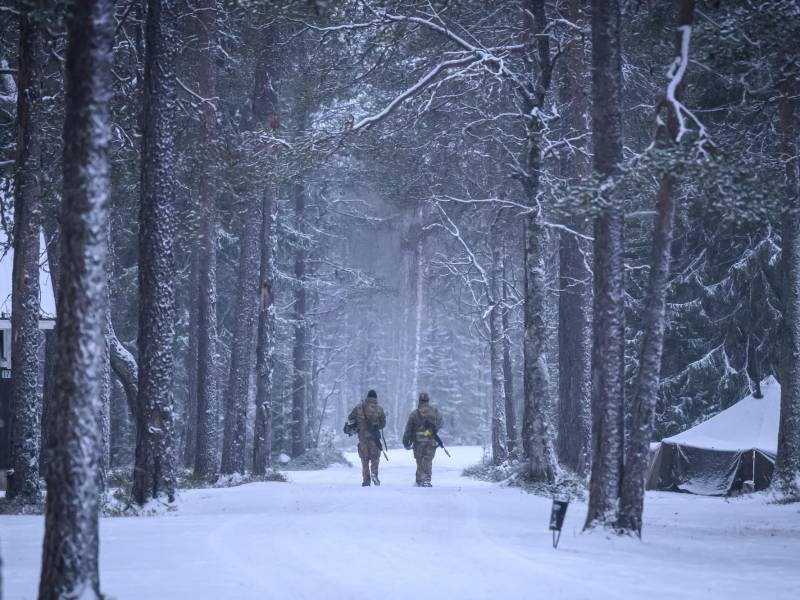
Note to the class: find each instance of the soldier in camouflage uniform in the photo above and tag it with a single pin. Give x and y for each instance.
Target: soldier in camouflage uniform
(423, 423)
(369, 419)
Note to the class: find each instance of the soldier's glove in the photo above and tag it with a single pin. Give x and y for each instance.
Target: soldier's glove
(407, 446)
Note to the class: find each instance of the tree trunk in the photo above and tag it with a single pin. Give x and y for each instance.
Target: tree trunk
(499, 443)
(265, 347)
(189, 438)
(206, 394)
(631, 506)
(236, 395)
(574, 276)
(300, 351)
(69, 557)
(786, 479)
(52, 239)
(124, 366)
(419, 304)
(508, 372)
(608, 310)
(23, 480)
(154, 470)
(536, 435)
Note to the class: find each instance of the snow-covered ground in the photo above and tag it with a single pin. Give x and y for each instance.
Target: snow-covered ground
(322, 536)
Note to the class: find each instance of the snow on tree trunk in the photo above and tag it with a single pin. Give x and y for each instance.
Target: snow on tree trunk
(205, 430)
(637, 452)
(608, 311)
(786, 479)
(574, 276)
(300, 360)
(69, 557)
(508, 371)
(124, 366)
(189, 438)
(237, 392)
(419, 306)
(51, 233)
(23, 476)
(265, 346)
(536, 433)
(154, 469)
(499, 443)
(540, 452)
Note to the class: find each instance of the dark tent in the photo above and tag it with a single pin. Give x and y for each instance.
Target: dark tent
(720, 455)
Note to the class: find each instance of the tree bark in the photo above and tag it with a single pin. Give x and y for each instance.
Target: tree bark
(69, 557)
(300, 360)
(124, 366)
(786, 479)
(499, 442)
(631, 505)
(265, 347)
(608, 310)
(189, 438)
(23, 479)
(537, 436)
(236, 395)
(574, 276)
(154, 470)
(52, 235)
(508, 371)
(206, 394)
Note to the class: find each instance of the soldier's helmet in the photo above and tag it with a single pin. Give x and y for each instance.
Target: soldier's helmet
(423, 398)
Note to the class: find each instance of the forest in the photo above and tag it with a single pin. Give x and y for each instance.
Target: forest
(574, 224)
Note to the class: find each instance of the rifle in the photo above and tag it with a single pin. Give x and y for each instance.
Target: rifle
(440, 443)
(436, 437)
(377, 434)
(385, 445)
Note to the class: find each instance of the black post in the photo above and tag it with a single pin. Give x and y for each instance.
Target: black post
(557, 514)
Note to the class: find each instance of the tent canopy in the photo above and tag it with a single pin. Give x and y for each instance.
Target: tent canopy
(750, 423)
(47, 301)
(719, 455)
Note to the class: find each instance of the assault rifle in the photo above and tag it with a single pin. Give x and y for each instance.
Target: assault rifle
(377, 433)
(436, 438)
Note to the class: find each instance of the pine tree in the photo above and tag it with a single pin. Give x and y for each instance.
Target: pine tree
(23, 481)
(787, 463)
(608, 325)
(154, 469)
(69, 558)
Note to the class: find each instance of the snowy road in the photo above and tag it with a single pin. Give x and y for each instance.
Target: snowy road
(323, 536)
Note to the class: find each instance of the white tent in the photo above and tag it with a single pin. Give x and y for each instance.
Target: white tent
(46, 299)
(719, 455)
(47, 302)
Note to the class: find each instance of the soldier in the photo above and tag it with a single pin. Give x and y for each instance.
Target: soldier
(369, 418)
(423, 423)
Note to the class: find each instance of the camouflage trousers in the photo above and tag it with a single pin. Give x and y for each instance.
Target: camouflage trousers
(370, 456)
(423, 454)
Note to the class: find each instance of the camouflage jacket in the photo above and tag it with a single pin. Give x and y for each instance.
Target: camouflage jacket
(370, 418)
(423, 422)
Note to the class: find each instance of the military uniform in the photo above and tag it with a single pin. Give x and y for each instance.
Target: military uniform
(423, 423)
(370, 419)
